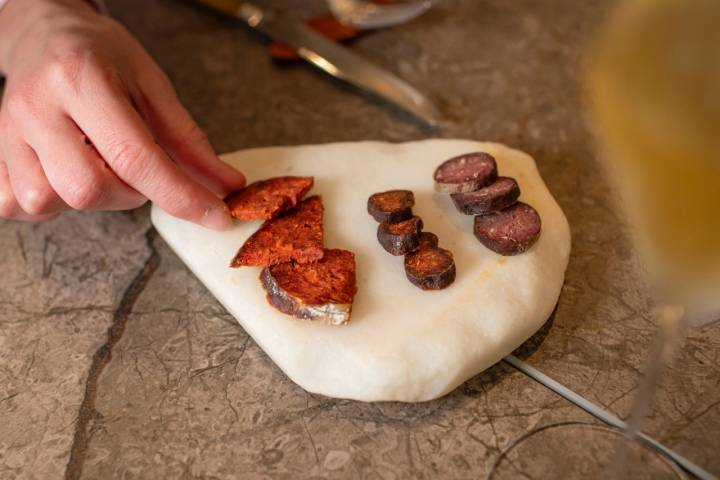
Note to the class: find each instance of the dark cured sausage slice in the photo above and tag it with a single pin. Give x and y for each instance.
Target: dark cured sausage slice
(428, 240)
(465, 173)
(266, 199)
(400, 238)
(321, 291)
(500, 194)
(392, 206)
(430, 267)
(296, 235)
(510, 231)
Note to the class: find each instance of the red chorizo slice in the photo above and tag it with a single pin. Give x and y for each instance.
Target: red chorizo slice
(295, 235)
(266, 199)
(430, 267)
(321, 291)
(392, 206)
(510, 231)
(402, 237)
(500, 194)
(466, 173)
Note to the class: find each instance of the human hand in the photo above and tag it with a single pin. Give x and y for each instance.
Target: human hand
(88, 121)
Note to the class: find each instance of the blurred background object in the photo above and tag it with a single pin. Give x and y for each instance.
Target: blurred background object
(654, 92)
(368, 15)
(320, 49)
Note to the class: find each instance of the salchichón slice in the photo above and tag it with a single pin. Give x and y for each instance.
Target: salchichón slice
(465, 173)
(266, 199)
(510, 231)
(321, 291)
(295, 235)
(500, 194)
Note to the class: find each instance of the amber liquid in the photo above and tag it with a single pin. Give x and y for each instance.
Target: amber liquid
(654, 93)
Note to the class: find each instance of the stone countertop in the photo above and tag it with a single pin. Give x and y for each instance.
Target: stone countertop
(115, 362)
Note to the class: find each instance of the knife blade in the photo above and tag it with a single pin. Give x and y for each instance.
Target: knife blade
(331, 58)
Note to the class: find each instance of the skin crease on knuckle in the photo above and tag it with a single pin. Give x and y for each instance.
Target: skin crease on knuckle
(66, 70)
(87, 194)
(129, 160)
(18, 106)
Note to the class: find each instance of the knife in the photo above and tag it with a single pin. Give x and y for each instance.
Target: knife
(333, 59)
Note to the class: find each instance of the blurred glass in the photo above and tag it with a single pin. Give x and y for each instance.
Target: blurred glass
(654, 93)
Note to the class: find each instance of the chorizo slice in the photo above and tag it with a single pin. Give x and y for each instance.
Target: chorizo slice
(402, 237)
(430, 267)
(266, 199)
(466, 173)
(295, 235)
(321, 291)
(510, 231)
(500, 194)
(392, 206)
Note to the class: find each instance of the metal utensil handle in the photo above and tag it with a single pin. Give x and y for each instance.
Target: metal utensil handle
(605, 416)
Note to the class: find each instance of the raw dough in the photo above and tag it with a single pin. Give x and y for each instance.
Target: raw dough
(402, 343)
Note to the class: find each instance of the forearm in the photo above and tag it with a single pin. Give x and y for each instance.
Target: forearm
(18, 17)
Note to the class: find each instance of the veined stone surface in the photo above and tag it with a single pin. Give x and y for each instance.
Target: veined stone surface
(187, 394)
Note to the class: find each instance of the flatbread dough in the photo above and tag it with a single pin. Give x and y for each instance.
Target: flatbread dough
(402, 343)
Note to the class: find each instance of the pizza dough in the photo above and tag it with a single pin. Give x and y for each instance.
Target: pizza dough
(402, 343)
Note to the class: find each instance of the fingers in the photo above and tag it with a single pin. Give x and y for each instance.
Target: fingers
(27, 179)
(122, 139)
(76, 172)
(181, 137)
(9, 206)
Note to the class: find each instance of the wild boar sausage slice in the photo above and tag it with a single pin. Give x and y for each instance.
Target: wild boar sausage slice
(430, 267)
(392, 206)
(402, 237)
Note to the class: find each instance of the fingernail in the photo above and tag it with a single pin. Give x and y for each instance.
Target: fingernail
(217, 217)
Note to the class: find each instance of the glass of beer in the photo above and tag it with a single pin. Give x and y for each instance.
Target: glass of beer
(653, 88)
(653, 91)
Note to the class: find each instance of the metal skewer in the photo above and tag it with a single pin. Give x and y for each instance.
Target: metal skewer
(605, 416)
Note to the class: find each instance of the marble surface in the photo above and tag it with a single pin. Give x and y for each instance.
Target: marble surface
(116, 363)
